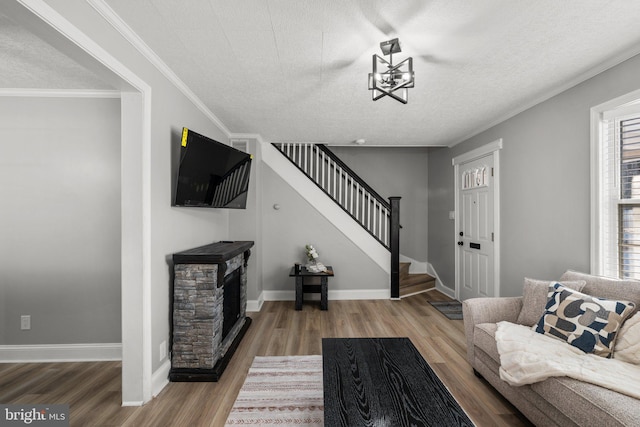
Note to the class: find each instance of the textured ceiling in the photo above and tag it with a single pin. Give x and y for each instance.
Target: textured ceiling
(27, 62)
(296, 70)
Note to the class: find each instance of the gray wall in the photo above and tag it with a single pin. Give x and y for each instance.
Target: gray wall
(397, 171)
(286, 231)
(441, 228)
(170, 229)
(60, 220)
(246, 224)
(174, 229)
(545, 184)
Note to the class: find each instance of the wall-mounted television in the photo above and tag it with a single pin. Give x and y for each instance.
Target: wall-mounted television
(211, 174)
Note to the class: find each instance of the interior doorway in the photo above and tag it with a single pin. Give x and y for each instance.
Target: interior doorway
(43, 21)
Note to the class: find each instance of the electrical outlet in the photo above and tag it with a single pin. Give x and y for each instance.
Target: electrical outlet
(163, 350)
(25, 322)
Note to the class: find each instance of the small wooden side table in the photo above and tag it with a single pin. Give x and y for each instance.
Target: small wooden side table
(301, 287)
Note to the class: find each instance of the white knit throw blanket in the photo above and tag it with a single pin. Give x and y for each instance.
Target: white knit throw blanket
(527, 357)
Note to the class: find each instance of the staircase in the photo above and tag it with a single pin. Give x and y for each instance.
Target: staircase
(379, 218)
(411, 284)
(370, 210)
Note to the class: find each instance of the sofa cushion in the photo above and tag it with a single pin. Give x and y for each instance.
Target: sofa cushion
(531, 404)
(588, 404)
(627, 347)
(484, 337)
(535, 294)
(586, 322)
(607, 287)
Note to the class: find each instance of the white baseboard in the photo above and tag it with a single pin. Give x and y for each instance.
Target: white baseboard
(447, 291)
(451, 293)
(160, 378)
(133, 403)
(255, 306)
(337, 295)
(358, 294)
(60, 353)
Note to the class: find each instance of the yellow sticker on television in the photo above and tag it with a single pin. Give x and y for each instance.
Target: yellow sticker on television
(185, 133)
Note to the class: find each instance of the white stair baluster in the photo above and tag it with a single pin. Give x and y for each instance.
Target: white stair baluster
(340, 186)
(351, 191)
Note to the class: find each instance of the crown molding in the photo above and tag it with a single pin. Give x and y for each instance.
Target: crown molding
(581, 78)
(132, 37)
(59, 93)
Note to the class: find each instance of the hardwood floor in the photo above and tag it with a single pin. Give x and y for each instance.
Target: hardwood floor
(93, 389)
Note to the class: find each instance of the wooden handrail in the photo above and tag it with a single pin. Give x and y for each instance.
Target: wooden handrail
(354, 175)
(343, 186)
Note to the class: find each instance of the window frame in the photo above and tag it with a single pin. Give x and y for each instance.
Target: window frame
(601, 207)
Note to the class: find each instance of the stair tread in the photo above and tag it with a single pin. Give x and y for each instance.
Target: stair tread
(414, 283)
(419, 277)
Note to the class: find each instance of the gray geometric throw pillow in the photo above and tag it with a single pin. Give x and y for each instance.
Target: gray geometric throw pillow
(588, 323)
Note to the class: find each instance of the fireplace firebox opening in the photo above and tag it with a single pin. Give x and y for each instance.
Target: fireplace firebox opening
(230, 302)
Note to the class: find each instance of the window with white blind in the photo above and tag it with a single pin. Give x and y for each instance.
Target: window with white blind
(616, 190)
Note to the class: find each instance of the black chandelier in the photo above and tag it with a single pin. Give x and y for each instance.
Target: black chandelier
(388, 79)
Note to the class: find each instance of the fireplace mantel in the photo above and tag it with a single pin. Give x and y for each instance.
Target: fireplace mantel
(200, 314)
(213, 253)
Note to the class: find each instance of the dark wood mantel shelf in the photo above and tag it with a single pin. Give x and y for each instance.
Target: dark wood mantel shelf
(213, 253)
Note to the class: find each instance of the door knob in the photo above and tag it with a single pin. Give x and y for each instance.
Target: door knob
(460, 243)
(461, 234)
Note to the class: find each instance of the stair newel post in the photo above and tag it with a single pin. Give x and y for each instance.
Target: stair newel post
(394, 244)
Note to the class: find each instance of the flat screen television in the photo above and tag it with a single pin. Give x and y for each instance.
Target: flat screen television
(211, 174)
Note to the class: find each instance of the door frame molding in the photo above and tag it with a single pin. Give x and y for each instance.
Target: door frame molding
(135, 113)
(492, 148)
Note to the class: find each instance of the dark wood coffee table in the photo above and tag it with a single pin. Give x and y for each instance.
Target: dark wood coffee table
(385, 382)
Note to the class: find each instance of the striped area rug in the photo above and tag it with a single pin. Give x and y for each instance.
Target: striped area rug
(282, 391)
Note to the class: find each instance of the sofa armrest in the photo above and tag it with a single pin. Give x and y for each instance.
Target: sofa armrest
(487, 310)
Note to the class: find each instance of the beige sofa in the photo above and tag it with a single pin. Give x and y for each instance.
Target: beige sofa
(556, 401)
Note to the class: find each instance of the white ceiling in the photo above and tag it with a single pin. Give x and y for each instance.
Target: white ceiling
(296, 70)
(28, 62)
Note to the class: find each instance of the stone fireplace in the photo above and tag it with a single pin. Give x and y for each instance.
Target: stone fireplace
(208, 310)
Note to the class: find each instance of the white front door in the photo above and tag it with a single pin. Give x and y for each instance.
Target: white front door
(475, 228)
